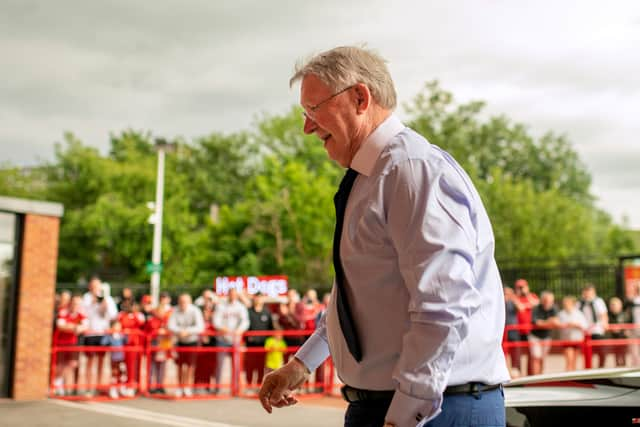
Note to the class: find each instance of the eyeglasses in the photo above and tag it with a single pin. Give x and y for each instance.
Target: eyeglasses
(311, 109)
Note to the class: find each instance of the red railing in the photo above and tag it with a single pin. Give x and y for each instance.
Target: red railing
(149, 360)
(150, 367)
(126, 368)
(585, 345)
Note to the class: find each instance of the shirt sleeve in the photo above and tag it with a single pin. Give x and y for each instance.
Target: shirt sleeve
(244, 320)
(172, 325)
(316, 349)
(432, 222)
(61, 322)
(217, 318)
(600, 307)
(112, 310)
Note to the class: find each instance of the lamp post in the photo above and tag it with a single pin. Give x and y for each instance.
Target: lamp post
(162, 146)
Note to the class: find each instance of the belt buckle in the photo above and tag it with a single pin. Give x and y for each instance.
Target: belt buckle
(475, 390)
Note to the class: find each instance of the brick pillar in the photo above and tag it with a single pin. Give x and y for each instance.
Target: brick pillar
(35, 307)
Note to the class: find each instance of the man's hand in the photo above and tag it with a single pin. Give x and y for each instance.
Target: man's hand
(277, 387)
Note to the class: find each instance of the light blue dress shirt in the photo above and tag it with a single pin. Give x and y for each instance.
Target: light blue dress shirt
(418, 254)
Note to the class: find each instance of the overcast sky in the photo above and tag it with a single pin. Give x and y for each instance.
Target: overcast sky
(187, 68)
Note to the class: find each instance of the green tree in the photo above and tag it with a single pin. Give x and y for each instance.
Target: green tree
(282, 226)
(217, 167)
(274, 187)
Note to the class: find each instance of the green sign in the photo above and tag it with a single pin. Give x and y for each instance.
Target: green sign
(154, 268)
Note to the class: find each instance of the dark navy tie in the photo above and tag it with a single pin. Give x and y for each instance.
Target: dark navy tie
(344, 311)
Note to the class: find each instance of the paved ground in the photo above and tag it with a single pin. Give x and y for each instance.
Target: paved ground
(142, 412)
(154, 412)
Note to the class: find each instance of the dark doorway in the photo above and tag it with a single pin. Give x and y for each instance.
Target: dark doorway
(9, 226)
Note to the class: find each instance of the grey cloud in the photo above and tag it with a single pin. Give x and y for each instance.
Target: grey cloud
(189, 68)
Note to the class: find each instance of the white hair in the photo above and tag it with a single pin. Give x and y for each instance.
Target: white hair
(345, 66)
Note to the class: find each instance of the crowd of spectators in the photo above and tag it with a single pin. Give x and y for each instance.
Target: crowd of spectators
(534, 321)
(185, 333)
(179, 333)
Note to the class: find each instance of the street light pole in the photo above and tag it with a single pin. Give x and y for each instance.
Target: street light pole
(156, 256)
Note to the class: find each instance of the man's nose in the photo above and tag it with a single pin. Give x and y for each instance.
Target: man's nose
(309, 125)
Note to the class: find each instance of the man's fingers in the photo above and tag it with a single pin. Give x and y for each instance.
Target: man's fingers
(273, 393)
(291, 400)
(265, 396)
(264, 400)
(277, 393)
(286, 400)
(276, 388)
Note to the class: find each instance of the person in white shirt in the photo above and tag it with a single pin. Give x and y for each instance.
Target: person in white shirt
(231, 320)
(572, 326)
(595, 311)
(100, 310)
(186, 323)
(416, 317)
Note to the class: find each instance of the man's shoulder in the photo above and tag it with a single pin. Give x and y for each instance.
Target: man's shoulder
(602, 306)
(407, 145)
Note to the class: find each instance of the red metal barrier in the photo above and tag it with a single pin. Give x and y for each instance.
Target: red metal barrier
(201, 359)
(124, 368)
(153, 354)
(586, 345)
(205, 355)
(320, 383)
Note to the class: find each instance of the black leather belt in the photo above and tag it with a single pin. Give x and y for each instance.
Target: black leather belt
(352, 394)
(469, 388)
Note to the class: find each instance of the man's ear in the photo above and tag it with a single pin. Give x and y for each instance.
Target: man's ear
(363, 97)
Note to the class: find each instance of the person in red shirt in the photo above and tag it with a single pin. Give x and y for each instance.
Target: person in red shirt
(70, 323)
(132, 322)
(307, 310)
(206, 363)
(62, 302)
(524, 301)
(156, 328)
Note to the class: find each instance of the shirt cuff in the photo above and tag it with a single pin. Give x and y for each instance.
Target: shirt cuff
(313, 352)
(408, 411)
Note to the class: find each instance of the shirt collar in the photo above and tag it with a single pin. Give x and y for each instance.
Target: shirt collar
(369, 152)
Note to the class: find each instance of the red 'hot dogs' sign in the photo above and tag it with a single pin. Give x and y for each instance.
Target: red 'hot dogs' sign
(272, 286)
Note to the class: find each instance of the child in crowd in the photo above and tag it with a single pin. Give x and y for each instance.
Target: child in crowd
(156, 326)
(573, 324)
(275, 347)
(118, 367)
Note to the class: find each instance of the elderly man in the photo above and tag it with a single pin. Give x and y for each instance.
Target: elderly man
(417, 313)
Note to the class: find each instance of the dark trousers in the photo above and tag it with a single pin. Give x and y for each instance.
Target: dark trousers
(484, 410)
(254, 361)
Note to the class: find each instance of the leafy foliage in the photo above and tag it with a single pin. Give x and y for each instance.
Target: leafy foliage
(272, 189)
